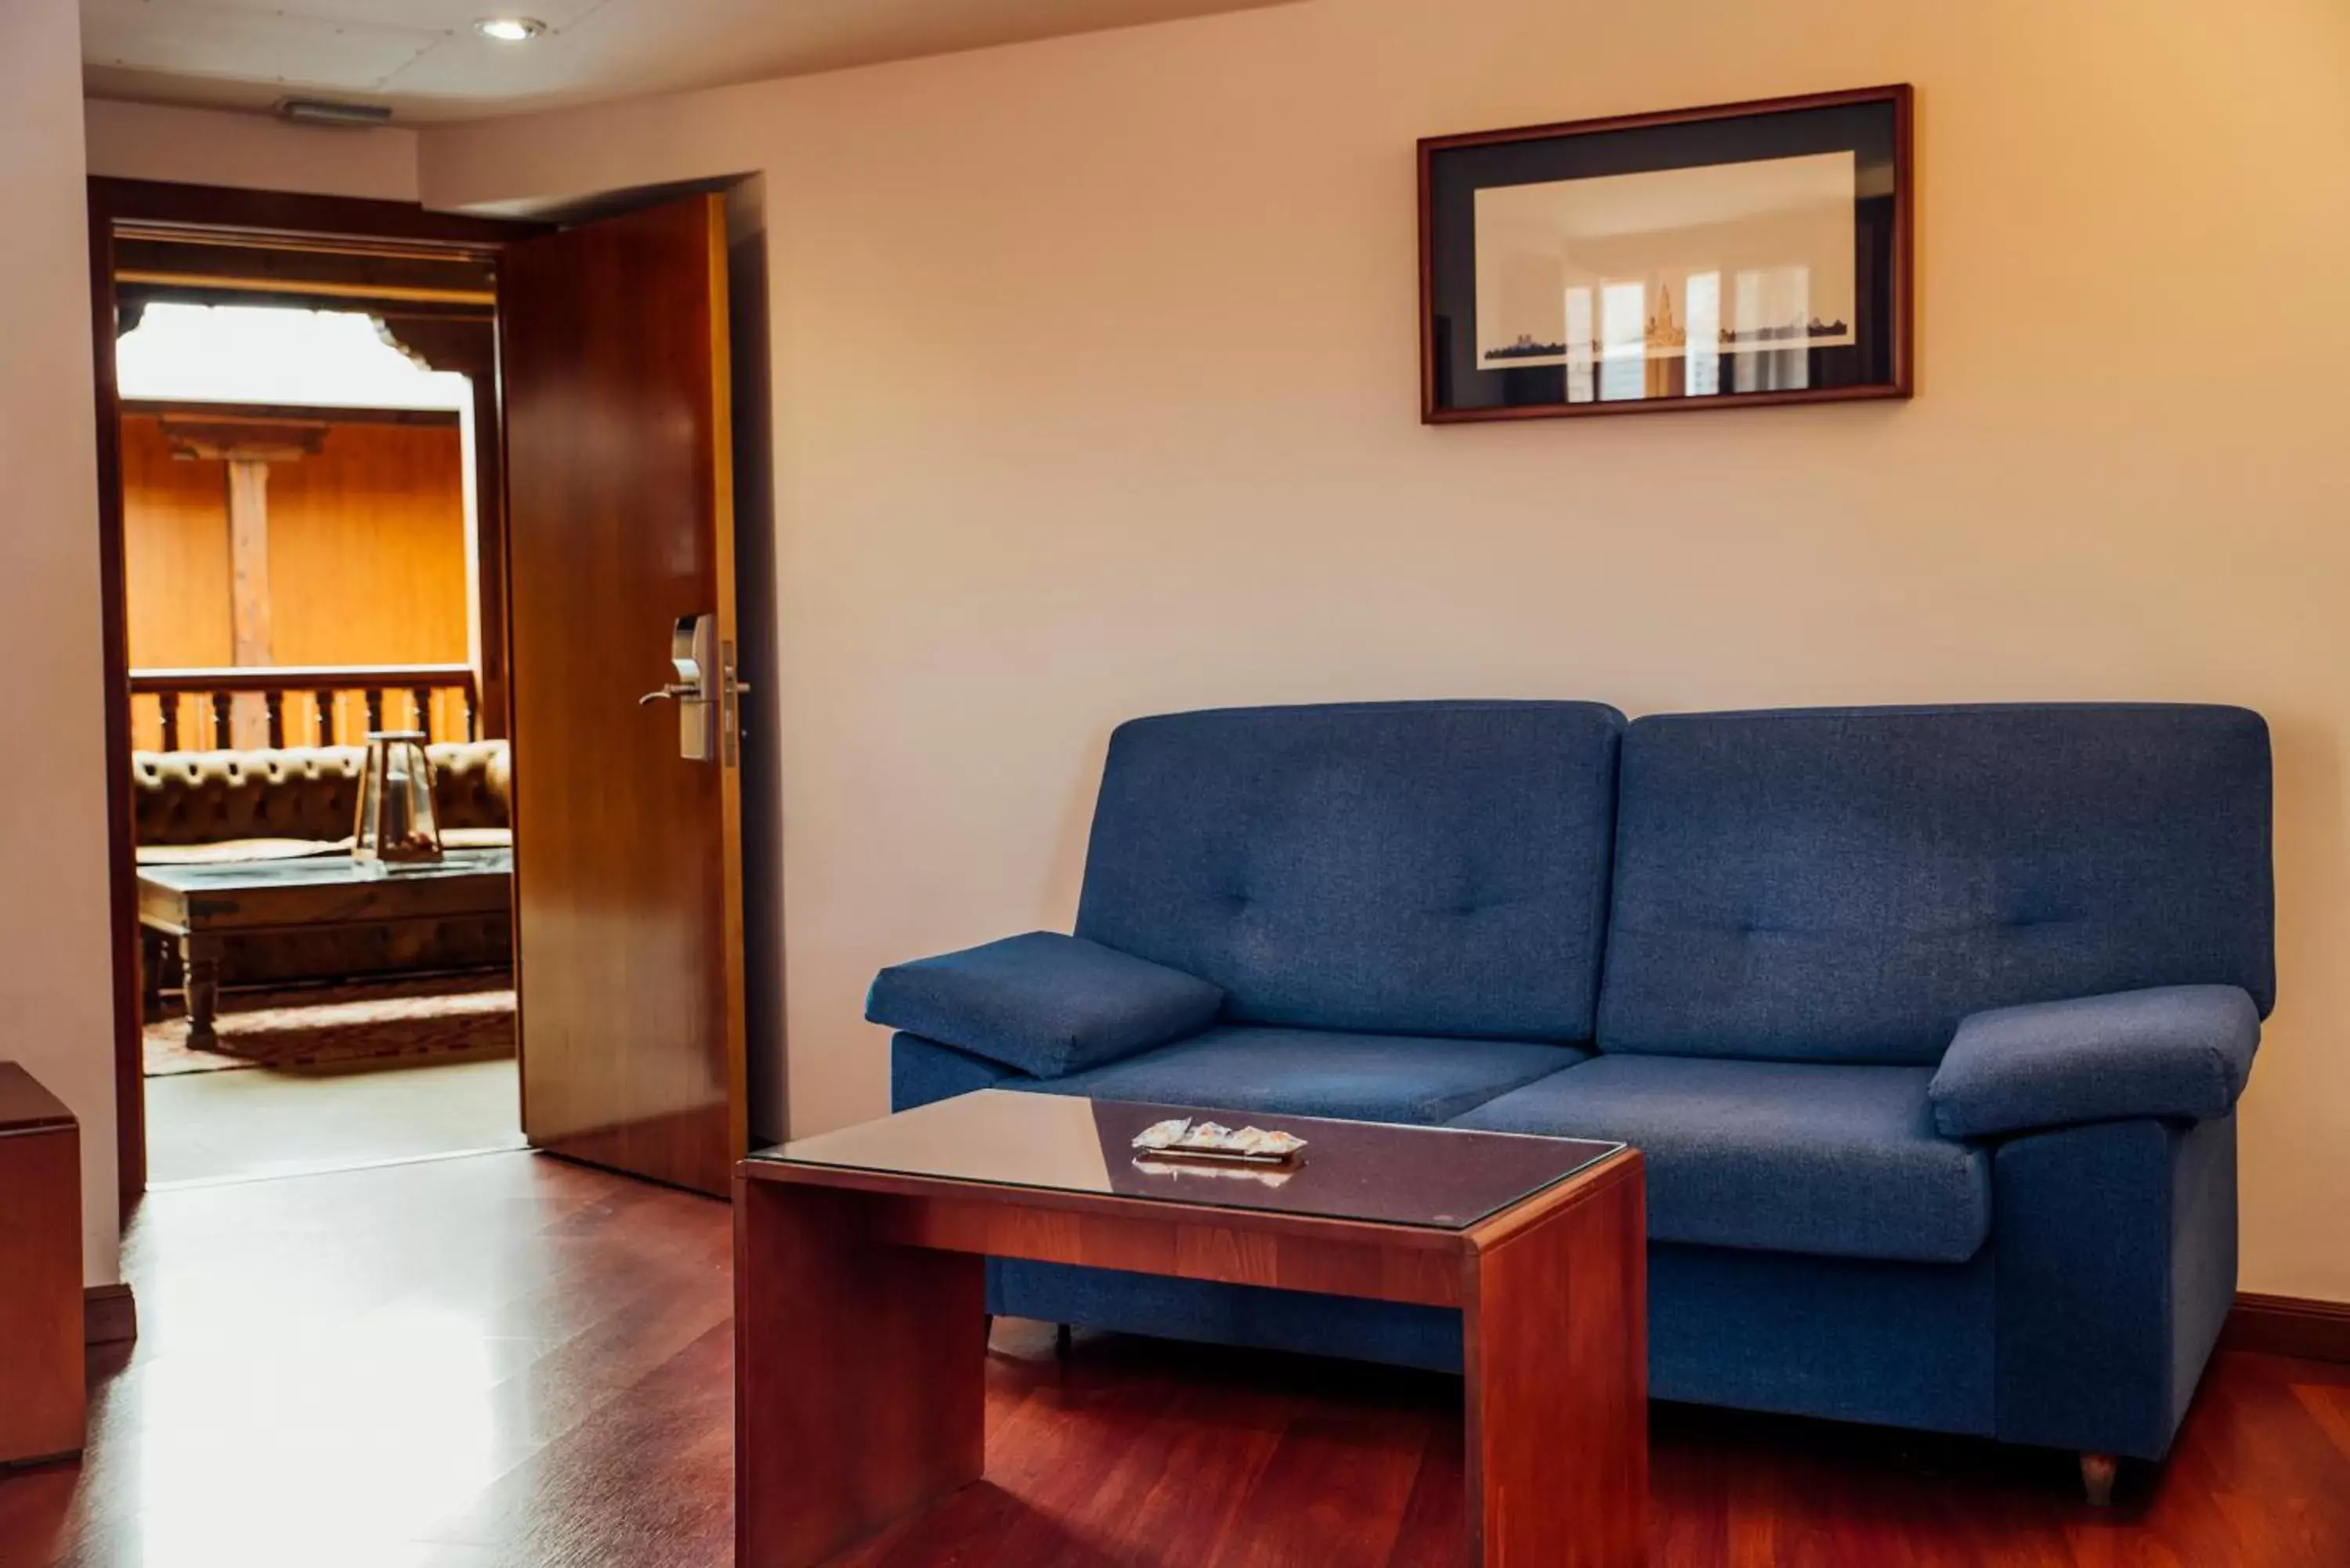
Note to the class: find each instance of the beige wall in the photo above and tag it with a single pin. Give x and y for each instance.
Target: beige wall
(216, 147)
(1095, 395)
(55, 985)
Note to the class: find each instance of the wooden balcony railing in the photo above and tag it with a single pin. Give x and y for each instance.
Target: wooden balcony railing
(314, 705)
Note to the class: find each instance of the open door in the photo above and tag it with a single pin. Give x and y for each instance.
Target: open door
(627, 781)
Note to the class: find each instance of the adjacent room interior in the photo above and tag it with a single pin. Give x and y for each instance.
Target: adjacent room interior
(302, 539)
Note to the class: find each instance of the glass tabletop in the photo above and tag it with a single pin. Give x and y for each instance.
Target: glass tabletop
(317, 870)
(1442, 1178)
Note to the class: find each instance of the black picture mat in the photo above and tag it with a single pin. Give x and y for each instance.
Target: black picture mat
(1872, 128)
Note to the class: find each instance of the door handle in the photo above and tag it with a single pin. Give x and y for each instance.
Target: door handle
(704, 691)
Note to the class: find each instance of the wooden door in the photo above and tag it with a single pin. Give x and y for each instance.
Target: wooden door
(629, 886)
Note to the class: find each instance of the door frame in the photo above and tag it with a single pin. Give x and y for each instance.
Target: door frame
(225, 212)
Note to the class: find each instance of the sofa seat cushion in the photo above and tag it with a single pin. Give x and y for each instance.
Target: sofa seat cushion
(1831, 1161)
(1319, 1072)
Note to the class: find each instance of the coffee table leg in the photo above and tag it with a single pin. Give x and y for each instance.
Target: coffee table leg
(152, 962)
(200, 969)
(1554, 1341)
(858, 1374)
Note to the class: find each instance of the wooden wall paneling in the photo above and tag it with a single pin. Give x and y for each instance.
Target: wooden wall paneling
(367, 551)
(176, 521)
(349, 550)
(176, 566)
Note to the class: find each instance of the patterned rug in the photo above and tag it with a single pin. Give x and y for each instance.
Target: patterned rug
(444, 1018)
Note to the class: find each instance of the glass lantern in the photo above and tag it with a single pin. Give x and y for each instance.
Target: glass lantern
(395, 825)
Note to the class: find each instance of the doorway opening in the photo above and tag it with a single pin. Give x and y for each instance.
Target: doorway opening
(301, 533)
(305, 441)
(388, 492)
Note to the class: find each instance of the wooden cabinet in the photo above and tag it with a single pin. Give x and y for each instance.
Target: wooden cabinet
(41, 1395)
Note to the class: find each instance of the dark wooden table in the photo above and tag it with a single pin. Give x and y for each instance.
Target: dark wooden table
(860, 1319)
(205, 908)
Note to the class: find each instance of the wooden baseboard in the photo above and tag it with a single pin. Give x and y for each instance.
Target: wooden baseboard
(109, 1314)
(2289, 1325)
(2276, 1326)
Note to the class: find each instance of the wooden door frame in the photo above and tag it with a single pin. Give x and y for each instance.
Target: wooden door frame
(223, 211)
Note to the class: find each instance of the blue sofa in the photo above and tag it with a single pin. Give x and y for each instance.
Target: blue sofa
(1931, 1021)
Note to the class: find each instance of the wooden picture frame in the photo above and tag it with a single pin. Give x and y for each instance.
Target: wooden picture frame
(1522, 314)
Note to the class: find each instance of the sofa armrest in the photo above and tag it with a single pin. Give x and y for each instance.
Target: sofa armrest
(923, 1072)
(1045, 1003)
(2178, 1052)
(2117, 1266)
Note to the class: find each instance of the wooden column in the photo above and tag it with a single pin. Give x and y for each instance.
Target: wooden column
(248, 556)
(248, 563)
(247, 446)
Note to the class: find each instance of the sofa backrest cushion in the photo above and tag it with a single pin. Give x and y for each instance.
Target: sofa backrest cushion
(1399, 867)
(300, 792)
(1848, 884)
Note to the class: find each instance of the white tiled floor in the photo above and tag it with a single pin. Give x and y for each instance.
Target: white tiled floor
(253, 1121)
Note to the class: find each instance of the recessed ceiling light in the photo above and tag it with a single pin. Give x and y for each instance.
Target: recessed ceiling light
(510, 29)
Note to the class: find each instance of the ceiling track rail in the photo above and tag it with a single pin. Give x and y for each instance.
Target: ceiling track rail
(297, 243)
(399, 294)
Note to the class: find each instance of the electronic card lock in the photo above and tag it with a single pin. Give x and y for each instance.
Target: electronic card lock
(706, 691)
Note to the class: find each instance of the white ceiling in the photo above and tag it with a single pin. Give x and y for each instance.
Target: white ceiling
(424, 59)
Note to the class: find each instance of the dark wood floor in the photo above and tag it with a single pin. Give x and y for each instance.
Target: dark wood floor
(508, 1361)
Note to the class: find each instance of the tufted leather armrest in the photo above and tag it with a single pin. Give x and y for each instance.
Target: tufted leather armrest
(299, 793)
(472, 784)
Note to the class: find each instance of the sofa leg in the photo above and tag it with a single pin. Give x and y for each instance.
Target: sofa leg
(1061, 1338)
(2098, 1471)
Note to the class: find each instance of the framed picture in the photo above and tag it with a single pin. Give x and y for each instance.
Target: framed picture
(1750, 252)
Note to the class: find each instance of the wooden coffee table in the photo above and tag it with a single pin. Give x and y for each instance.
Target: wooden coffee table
(860, 1319)
(204, 907)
